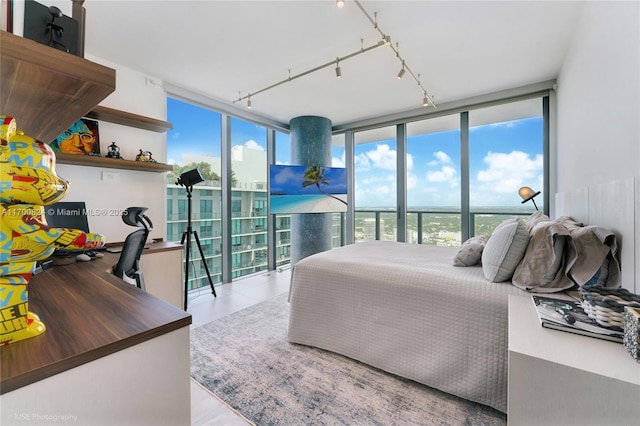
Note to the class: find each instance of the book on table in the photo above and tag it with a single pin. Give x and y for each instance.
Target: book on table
(568, 315)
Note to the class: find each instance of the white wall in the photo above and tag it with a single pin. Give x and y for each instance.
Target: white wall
(132, 188)
(598, 126)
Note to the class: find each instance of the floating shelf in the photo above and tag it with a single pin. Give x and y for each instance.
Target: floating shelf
(113, 163)
(128, 119)
(46, 89)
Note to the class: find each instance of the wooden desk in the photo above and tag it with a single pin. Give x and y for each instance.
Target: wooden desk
(111, 352)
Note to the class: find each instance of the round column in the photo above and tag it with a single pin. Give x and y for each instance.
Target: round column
(310, 146)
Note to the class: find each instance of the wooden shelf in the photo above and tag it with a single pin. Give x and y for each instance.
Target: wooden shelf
(128, 119)
(46, 89)
(113, 163)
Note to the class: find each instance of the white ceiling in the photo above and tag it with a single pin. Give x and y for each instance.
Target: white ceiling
(223, 48)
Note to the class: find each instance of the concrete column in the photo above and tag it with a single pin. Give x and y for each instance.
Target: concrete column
(310, 146)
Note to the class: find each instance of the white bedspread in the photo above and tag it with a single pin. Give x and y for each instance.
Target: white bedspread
(404, 308)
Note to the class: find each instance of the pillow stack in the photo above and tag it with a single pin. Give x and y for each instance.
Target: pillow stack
(544, 255)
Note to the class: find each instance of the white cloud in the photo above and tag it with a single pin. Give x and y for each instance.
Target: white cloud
(446, 172)
(383, 157)
(362, 162)
(441, 158)
(251, 144)
(412, 180)
(506, 172)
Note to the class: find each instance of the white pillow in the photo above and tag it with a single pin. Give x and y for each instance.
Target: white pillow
(504, 250)
(470, 251)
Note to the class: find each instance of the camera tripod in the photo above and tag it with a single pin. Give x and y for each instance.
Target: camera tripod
(186, 239)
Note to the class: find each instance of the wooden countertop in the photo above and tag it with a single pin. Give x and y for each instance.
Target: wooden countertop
(89, 313)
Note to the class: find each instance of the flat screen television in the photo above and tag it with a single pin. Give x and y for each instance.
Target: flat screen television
(307, 189)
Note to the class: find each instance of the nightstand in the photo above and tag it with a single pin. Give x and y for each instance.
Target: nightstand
(559, 378)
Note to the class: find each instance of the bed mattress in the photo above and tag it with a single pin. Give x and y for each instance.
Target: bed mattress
(404, 308)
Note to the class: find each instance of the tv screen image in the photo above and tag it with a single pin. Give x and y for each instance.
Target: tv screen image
(307, 189)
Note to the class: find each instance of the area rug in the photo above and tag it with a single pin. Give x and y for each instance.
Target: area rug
(246, 360)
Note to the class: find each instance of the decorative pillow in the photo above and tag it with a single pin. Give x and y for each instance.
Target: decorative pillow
(470, 251)
(504, 250)
(543, 266)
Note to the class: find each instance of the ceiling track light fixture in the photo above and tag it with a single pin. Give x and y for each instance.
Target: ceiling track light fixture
(402, 71)
(385, 41)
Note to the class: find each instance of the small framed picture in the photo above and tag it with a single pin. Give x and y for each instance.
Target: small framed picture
(81, 138)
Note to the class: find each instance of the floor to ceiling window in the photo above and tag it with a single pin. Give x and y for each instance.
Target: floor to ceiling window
(248, 198)
(283, 221)
(375, 184)
(194, 142)
(433, 181)
(458, 175)
(505, 153)
(337, 160)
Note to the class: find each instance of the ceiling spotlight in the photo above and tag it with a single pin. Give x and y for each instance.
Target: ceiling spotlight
(249, 102)
(387, 40)
(425, 101)
(401, 73)
(338, 70)
(340, 4)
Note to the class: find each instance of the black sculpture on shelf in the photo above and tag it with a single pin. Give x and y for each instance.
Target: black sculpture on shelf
(54, 30)
(114, 151)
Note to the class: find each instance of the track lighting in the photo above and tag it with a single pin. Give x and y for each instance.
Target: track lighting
(384, 41)
(402, 71)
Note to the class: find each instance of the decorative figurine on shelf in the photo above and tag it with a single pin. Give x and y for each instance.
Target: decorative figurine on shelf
(114, 151)
(145, 156)
(29, 182)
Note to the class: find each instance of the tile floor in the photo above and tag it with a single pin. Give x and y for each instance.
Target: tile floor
(206, 409)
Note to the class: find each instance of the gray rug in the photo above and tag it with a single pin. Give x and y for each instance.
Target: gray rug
(246, 360)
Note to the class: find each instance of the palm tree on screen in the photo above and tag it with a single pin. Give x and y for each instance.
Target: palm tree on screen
(314, 175)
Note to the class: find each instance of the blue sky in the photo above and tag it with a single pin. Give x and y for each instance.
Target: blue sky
(503, 157)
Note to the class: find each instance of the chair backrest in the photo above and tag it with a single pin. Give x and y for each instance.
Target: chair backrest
(127, 266)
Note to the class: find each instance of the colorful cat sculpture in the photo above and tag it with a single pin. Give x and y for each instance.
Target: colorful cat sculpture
(28, 182)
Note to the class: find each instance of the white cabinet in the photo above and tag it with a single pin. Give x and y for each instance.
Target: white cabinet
(161, 265)
(559, 378)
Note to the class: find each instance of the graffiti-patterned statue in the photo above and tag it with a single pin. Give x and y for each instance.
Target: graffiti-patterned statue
(28, 182)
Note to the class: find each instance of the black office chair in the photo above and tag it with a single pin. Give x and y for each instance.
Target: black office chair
(128, 267)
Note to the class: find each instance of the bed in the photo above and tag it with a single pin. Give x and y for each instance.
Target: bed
(406, 309)
(415, 315)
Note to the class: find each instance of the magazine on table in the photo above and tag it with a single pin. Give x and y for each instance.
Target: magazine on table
(568, 315)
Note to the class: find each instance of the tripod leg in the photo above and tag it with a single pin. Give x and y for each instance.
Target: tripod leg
(187, 235)
(204, 262)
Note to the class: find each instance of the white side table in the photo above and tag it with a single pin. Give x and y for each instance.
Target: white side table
(560, 378)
